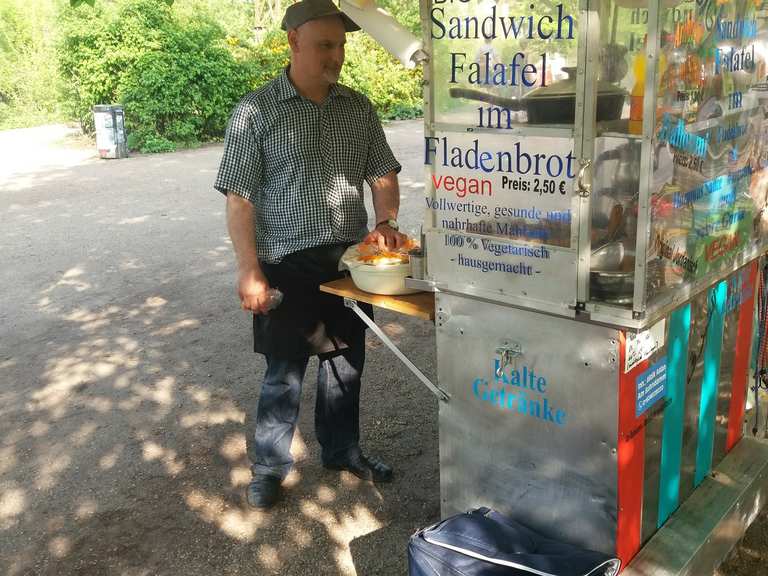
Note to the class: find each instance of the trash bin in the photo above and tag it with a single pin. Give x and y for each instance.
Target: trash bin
(110, 131)
(485, 543)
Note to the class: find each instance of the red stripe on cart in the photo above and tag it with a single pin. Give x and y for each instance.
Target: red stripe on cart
(742, 358)
(631, 457)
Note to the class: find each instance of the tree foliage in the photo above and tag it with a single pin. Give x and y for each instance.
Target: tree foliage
(91, 3)
(176, 78)
(178, 67)
(28, 73)
(394, 91)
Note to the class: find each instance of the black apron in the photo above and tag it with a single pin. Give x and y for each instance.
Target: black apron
(308, 321)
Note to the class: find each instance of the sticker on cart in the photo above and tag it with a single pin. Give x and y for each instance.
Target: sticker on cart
(642, 345)
(651, 386)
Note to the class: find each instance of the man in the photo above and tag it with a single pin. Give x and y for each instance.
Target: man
(296, 154)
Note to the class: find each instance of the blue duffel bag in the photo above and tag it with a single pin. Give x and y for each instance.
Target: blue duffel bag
(485, 543)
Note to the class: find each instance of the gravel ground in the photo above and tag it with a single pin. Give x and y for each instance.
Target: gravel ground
(125, 373)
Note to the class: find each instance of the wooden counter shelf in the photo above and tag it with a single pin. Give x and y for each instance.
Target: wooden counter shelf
(420, 305)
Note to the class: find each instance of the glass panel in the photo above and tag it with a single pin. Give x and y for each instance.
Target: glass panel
(621, 75)
(709, 182)
(614, 219)
(501, 63)
(616, 179)
(502, 203)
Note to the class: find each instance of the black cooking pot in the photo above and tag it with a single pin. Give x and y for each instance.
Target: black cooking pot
(554, 104)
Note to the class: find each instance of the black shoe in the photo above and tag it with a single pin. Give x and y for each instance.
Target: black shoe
(263, 491)
(364, 467)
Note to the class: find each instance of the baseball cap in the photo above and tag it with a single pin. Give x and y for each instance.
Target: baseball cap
(306, 10)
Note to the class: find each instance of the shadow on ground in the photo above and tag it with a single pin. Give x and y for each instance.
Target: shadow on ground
(125, 374)
(126, 371)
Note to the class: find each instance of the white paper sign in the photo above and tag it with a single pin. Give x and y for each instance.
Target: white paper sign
(642, 345)
(512, 188)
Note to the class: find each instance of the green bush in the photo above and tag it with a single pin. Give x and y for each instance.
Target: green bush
(178, 71)
(407, 13)
(83, 62)
(150, 143)
(267, 59)
(28, 72)
(395, 91)
(185, 91)
(175, 77)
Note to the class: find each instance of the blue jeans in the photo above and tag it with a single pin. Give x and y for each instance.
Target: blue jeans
(337, 414)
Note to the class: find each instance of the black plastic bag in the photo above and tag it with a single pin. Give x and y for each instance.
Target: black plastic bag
(485, 543)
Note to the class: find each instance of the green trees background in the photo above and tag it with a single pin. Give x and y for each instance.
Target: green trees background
(177, 67)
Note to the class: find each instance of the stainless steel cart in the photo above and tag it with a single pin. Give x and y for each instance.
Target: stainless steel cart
(594, 220)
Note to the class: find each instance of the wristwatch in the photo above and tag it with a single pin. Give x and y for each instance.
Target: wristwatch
(391, 222)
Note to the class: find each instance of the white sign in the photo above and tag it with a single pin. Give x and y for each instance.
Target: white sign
(512, 188)
(642, 345)
(525, 270)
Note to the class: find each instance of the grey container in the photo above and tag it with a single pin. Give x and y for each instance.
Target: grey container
(110, 131)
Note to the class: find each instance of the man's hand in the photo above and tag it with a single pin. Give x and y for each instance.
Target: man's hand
(386, 200)
(252, 287)
(386, 237)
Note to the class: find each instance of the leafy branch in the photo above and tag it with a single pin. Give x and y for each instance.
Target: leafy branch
(76, 3)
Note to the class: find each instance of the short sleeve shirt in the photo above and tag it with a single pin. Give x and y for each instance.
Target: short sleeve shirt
(303, 165)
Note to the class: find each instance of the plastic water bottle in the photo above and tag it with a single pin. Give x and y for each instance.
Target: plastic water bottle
(274, 298)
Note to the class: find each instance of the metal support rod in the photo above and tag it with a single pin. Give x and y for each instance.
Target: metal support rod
(436, 390)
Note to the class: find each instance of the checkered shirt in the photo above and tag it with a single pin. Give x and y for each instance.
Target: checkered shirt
(302, 165)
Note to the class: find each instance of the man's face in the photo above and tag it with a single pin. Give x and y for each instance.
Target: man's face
(318, 48)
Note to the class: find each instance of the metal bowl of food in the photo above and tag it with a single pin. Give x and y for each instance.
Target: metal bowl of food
(613, 287)
(612, 275)
(378, 272)
(382, 279)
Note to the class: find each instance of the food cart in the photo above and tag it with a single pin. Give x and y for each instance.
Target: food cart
(594, 224)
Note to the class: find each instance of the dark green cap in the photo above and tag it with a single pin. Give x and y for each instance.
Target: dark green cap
(306, 10)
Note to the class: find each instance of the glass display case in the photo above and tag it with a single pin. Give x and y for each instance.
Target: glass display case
(602, 158)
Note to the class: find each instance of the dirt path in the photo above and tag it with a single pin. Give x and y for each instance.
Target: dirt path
(125, 371)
